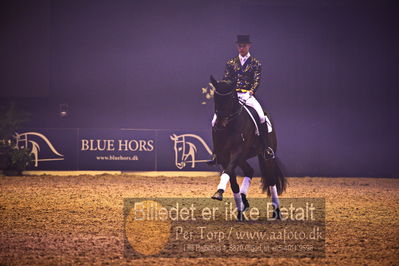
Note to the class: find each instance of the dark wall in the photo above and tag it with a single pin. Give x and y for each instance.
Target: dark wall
(329, 70)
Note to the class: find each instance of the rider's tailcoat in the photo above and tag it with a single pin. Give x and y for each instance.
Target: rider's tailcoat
(246, 77)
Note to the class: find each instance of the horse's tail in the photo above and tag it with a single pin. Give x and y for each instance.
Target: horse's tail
(272, 175)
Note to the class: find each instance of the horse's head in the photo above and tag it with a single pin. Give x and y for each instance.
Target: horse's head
(179, 150)
(226, 99)
(223, 87)
(183, 151)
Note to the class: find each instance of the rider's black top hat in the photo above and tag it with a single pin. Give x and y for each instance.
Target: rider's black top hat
(243, 39)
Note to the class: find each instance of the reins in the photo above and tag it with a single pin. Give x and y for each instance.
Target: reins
(224, 94)
(230, 117)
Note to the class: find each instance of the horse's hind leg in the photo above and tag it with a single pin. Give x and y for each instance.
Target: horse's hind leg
(237, 196)
(275, 202)
(274, 195)
(269, 183)
(246, 182)
(234, 184)
(248, 174)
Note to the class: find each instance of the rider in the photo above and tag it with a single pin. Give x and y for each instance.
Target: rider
(244, 71)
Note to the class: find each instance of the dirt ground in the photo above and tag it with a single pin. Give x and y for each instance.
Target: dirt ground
(79, 219)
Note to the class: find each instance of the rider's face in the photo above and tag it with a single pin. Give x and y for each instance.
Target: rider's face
(243, 48)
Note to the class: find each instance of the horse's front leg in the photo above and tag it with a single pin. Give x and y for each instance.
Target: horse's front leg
(221, 188)
(230, 175)
(229, 171)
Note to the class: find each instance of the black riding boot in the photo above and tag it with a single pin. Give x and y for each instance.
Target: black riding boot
(268, 152)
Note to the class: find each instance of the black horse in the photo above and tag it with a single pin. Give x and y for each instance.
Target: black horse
(235, 141)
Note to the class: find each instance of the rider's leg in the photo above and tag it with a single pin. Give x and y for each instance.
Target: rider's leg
(263, 129)
(263, 118)
(251, 101)
(243, 96)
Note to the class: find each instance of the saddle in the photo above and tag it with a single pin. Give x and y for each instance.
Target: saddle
(255, 118)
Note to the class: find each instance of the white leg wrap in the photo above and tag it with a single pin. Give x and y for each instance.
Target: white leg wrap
(224, 179)
(275, 200)
(246, 182)
(238, 200)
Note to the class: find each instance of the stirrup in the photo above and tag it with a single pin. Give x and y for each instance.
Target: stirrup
(269, 153)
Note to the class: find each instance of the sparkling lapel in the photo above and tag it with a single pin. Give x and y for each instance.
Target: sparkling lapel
(244, 67)
(238, 62)
(246, 63)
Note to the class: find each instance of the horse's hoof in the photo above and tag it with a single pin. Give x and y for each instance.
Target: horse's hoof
(218, 195)
(276, 214)
(245, 202)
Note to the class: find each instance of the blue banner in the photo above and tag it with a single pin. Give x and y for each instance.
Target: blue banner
(117, 149)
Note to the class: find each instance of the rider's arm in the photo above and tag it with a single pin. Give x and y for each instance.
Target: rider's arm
(257, 74)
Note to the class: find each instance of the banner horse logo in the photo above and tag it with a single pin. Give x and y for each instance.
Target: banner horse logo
(25, 140)
(185, 150)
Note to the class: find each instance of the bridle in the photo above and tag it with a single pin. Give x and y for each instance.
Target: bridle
(231, 116)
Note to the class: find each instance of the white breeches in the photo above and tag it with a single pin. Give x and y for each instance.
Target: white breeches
(250, 100)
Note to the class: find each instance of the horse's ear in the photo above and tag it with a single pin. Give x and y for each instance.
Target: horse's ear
(173, 137)
(213, 81)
